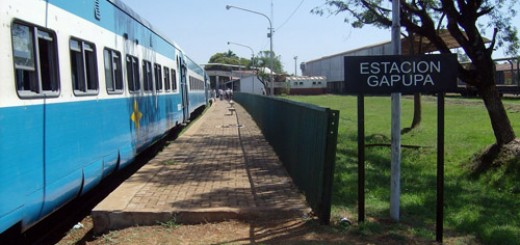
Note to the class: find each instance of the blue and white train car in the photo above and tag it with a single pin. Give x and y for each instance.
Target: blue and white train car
(84, 87)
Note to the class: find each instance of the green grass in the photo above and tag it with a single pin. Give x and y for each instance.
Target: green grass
(485, 207)
(170, 224)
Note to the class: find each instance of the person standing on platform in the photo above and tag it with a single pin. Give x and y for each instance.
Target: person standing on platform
(220, 93)
(229, 94)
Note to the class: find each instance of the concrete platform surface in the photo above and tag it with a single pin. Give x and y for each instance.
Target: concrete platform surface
(221, 168)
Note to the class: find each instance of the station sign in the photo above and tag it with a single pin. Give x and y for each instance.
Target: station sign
(401, 74)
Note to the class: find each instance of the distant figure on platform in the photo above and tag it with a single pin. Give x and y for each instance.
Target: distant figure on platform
(213, 95)
(220, 93)
(229, 94)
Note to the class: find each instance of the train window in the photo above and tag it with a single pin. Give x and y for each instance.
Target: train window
(132, 73)
(167, 84)
(158, 77)
(147, 76)
(35, 61)
(174, 79)
(196, 84)
(113, 72)
(83, 67)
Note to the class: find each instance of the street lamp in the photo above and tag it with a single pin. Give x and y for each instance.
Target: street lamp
(245, 46)
(252, 59)
(270, 35)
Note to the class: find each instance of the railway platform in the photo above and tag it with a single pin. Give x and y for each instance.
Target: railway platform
(221, 168)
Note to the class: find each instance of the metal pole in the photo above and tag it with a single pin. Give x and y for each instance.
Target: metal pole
(254, 73)
(295, 66)
(395, 178)
(271, 48)
(361, 158)
(271, 63)
(270, 35)
(440, 167)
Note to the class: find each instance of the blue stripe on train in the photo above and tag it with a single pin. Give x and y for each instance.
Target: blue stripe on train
(46, 150)
(197, 99)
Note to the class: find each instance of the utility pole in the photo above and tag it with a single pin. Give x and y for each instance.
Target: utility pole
(395, 171)
(295, 65)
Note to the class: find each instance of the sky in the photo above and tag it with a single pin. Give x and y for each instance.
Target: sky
(203, 28)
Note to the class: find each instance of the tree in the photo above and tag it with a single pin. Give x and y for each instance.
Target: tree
(228, 58)
(417, 108)
(263, 58)
(465, 22)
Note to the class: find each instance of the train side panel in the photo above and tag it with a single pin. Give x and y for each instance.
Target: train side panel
(21, 174)
(196, 85)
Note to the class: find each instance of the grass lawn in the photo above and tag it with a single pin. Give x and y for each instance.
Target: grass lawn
(484, 208)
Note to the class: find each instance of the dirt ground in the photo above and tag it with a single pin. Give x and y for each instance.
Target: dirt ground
(294, 231)
(230, 232)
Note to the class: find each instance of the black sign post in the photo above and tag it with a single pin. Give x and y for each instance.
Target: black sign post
(361, 158)
(440, 168)
(402, 74)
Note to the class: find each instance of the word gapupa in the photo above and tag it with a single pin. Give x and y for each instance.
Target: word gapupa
(406, 80)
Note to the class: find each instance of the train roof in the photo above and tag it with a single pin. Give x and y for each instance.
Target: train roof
(130, 12)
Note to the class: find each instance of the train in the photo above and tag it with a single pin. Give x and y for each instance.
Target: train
(85, 86)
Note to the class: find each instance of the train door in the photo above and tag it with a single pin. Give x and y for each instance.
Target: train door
(134, 103)
(184, 90)
(207, 88)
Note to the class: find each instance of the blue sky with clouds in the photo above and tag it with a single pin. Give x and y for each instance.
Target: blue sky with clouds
(203, 28)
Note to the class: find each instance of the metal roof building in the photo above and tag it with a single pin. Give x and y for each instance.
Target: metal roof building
(332, 66)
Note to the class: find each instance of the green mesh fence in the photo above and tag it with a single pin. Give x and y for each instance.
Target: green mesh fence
(304, 137)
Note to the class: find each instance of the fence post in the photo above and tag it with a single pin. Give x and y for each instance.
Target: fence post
(329, 165)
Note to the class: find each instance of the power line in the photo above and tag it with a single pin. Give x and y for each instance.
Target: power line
(290, 16)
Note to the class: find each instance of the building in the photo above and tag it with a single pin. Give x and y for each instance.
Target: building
(306, 85)
(249, 84)
(221, 74)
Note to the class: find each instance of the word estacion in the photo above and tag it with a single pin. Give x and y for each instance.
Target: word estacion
(404, 73)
